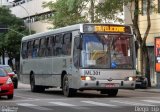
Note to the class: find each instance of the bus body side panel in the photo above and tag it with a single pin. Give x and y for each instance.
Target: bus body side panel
(24, 78)
(46, 73)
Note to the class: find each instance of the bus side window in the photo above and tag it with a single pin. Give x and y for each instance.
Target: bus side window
(42, 47)
(35, 48)
(53, 43)
(49, 44)
(58, 45)
(29, 49)
(24, 50)
(67, 44)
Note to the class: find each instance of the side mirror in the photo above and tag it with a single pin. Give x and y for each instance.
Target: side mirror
(10, 74)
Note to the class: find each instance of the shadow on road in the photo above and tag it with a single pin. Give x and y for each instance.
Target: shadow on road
(84, 94)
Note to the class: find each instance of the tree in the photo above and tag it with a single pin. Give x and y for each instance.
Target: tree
(68, 12)
(110, 10)
(10, 41)
(63, 14)
(144, 56)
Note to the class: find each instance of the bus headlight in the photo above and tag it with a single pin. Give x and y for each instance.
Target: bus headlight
(130, 78)
(88, 78)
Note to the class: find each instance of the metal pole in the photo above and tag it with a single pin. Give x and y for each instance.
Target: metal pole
(29, 22)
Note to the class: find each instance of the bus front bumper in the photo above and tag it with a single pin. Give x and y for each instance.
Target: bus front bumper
(105, 84)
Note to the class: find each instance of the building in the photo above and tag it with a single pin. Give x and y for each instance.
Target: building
(32, 12)
(154, 31)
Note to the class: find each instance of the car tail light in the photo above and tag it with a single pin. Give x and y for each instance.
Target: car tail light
(9, 81)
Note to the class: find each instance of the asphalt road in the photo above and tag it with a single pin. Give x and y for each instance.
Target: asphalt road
(52, 100)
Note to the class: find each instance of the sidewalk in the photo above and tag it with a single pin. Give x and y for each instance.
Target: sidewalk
(152, 90)
(22, 85)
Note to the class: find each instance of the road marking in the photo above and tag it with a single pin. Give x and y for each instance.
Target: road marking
(23, 100)
(20, 96)
(151, 101)
(99, 104)
(26, 104)
(32, 100)
(131, 103)
(68, 105)
(62, 104)
(32, 106)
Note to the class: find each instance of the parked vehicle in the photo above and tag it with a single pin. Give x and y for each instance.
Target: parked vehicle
(12, 74)
(6, 85)
(141, 82)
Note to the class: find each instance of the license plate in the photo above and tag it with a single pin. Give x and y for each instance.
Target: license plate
(112, 85)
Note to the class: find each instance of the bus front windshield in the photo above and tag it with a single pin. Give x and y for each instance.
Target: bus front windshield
(106, 51)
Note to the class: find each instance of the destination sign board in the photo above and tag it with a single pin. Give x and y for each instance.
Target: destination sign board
(106, 28)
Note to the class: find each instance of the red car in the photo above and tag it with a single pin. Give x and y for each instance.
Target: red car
(6, 85)
(12, 75)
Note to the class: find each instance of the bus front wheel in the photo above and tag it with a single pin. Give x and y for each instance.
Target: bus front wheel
(67, 91)
(112, 92)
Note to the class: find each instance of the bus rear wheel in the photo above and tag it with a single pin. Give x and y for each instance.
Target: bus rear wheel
(67, 91)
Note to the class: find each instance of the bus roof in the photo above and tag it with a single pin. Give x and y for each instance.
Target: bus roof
(53, 31)
(63, 29)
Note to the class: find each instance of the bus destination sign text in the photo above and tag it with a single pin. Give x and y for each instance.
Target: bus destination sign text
(117, 29)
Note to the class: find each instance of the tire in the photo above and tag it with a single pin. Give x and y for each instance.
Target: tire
(112, 92)
(40, 89)
(67, 91)
(34, 88)
(10, 96)
(104, 91)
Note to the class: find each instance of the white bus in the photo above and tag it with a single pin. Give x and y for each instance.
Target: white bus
(80, 57)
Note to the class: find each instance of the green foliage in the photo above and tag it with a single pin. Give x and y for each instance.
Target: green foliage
(64, 14)
(67, 12)
(10, 41)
